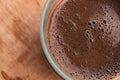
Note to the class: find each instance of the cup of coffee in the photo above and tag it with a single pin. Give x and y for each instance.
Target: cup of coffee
(81, 38)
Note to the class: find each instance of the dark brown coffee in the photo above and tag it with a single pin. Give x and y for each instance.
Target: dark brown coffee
(84, 38)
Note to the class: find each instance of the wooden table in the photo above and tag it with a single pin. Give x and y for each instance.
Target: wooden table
(21, 55)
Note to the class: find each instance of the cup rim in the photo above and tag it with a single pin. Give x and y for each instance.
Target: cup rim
(44, 45)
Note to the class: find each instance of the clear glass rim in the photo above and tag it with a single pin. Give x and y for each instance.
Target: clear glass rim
(44, 45)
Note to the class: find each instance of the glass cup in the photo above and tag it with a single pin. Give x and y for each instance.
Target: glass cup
(45, 16)
(48, 8)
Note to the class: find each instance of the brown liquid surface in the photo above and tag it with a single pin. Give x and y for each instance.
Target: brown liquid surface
(84, 38)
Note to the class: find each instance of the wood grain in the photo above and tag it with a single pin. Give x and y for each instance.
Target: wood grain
(21, 55)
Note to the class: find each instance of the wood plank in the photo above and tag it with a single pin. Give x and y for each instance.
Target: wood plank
(21, 55)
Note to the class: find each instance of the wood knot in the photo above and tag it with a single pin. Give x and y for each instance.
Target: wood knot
(7, 77)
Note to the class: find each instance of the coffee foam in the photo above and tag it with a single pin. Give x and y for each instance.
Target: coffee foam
(101, 26)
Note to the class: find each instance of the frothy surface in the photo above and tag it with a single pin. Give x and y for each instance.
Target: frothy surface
(84, 38)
